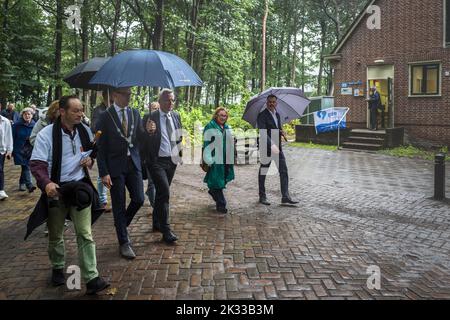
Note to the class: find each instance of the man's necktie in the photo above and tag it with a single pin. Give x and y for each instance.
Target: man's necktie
(124, 123)
(170, 131)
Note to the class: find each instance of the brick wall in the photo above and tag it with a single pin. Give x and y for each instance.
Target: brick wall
(411, 31)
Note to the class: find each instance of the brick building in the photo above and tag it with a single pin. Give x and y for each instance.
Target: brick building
(407, 58)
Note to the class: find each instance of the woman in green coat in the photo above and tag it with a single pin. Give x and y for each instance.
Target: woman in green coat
(218, 154)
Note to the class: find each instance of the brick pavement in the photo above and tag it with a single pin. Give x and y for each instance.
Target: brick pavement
(356, 210)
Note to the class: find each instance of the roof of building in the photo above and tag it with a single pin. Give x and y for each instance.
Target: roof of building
(335, 53)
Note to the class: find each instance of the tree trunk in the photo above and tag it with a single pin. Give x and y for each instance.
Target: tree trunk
(263, 62)
(323, 29)
(303, 59)
(117, 6)
(294, 60)
(58, 48)
(191, 40)
(157, 38)
(85, 15)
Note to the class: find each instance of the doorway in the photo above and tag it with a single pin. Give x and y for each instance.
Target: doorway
(383, 78)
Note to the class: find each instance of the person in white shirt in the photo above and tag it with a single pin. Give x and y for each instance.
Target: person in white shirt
(6, 148)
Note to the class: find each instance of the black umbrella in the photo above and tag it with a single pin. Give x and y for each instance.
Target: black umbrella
(82, 74)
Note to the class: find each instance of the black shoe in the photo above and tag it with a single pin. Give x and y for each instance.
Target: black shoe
(31, 188)
(58, 278)
(264, 201)
(222, 210)
(169, 237)
(127, 252)
(288, 201)
(96, 285)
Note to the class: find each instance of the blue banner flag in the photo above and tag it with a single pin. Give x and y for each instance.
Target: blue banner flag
(328, 120)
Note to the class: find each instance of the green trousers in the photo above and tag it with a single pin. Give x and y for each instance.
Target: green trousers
(86, 246)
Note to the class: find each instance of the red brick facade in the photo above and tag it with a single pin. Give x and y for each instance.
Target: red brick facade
(411, 31)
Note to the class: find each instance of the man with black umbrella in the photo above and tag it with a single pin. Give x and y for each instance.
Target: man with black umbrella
(270, 131)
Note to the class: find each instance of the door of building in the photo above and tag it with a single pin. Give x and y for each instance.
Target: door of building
(383, 78)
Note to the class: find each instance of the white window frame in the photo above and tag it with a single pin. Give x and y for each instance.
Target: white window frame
(421, 63)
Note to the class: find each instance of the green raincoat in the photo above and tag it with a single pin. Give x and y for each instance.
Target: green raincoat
(218, 175)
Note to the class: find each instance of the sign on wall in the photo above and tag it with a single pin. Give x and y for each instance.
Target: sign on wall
(347, 91)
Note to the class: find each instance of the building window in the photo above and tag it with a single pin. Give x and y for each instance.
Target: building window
(447, 22)
(425, 79)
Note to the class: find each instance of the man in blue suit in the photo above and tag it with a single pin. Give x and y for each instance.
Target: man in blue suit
(374, 105)
(119, 162)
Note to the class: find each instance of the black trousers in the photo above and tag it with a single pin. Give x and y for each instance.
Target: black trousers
(284, 178)
(123, 216)
(162, 173)
(2, 175)
(373, 118)
(219, 198)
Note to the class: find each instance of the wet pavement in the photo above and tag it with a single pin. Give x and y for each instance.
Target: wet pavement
(357, 210)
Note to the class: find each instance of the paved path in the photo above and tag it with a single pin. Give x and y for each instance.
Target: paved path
(357, 210)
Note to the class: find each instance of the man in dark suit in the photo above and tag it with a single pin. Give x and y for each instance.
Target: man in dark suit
(119, 162)
(162, 154)
(269, 125)
(374, 105)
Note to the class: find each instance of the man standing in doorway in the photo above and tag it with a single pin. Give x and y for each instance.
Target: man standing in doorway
(374, 104)
(269, 123)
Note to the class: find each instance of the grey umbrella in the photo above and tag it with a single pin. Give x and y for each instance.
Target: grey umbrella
(291, 104)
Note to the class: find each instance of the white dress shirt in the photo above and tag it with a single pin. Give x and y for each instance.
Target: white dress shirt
(166, 149)
(120, 111)
(274, 116)
(6, 138)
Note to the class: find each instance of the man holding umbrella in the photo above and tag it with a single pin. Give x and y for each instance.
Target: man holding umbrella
(269, 125)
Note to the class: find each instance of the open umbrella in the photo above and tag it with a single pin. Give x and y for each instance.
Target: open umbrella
(146, 68)
(83, 73)
(291, 104)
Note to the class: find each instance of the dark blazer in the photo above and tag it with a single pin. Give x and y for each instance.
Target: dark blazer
(112, 148)
(375, 101)
(265, 121)
(152, 143)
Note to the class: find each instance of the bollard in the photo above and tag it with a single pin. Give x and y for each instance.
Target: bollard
(439, 177)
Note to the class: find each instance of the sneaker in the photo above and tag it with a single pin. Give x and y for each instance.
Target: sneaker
(3, 195)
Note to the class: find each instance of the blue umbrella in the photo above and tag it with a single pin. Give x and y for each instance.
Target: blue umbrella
(291, 105)
(146, 68)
